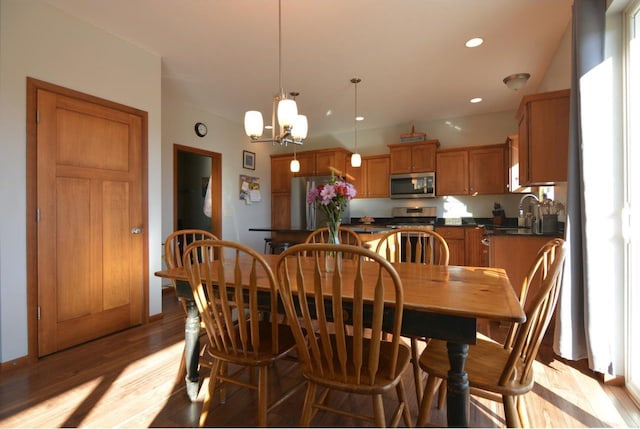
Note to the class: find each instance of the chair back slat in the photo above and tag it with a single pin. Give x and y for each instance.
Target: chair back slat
(224, 279)
(415, 245)
(306, 289)
(539, 296)
(176, 243)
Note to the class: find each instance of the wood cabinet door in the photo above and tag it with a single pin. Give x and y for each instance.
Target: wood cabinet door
(476, 253)
(452, 172)
(377, 176)
(523, 147)
(307, 164)
(423, 158)
(357, 177)
(487, 170)
(549, 140)
(280, 173)
(455, 238)
(515, 254)
(280, 210)
(400, 160)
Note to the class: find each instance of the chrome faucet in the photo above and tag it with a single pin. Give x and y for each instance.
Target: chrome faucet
(536, 224)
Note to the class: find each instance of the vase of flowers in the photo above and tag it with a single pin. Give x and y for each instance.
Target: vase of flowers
(332, 199)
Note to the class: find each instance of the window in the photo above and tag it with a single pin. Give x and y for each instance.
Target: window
(632, 195)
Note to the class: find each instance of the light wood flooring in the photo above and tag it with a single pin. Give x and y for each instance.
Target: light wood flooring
(129, 380)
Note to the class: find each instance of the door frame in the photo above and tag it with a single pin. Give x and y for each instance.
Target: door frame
(33, 85)
(216, 189)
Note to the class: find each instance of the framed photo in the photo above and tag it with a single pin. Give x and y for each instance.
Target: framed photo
(248, 160)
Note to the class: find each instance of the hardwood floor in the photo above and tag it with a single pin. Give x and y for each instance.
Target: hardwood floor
(129, 380)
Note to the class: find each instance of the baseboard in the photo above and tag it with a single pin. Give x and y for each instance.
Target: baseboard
(14, 364)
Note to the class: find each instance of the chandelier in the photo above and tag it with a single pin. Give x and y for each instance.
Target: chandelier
(292, 127)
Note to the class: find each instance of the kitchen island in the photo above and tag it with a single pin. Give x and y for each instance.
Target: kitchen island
(369, 234)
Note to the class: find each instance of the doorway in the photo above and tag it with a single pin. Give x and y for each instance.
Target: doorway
(193, 168)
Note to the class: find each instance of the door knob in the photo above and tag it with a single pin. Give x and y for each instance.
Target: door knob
(136, 230)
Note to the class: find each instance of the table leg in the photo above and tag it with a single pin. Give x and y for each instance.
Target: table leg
(192, 348)
(457, 386)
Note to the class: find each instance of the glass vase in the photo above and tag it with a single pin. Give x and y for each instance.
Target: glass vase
(333, 259)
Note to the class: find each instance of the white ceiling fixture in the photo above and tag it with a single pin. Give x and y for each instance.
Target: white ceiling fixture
(516, 81)
(356, 159)
(474, 43)
(475, 100)
(292, 127)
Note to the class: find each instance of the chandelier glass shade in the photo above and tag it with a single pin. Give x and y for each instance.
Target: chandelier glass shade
(292, 127)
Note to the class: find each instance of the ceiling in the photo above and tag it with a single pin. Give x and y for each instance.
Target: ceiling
(222, 55)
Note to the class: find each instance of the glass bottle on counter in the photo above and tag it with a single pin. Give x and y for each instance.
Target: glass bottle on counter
(521, 220)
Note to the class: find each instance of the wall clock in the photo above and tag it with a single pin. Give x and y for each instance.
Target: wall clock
(201, 129)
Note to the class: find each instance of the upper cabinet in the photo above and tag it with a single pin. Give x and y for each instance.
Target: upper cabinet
(419, 157)
(543, 138)
(371, 179)
(280, 173)
(322, 162)
(513, 165)
(471, 170)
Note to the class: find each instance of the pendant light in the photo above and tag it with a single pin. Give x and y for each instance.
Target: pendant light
(356, 159)
(292, 127)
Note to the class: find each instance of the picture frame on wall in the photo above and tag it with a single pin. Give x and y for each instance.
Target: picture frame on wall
(248, 160)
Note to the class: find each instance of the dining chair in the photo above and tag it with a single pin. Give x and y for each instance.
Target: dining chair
(503, 372)
(174, 247)
(347, 236)
(414, 245)
(332, 359)
(239, 332)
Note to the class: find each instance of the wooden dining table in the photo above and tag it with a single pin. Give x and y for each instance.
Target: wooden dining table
(442, 302)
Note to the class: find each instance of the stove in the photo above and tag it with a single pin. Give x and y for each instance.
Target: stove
(412, 216)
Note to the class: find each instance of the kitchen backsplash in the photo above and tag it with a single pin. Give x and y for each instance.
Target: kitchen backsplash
(449, 207)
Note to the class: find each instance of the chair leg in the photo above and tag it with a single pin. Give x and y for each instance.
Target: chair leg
(417, 372)
(223, 388)
(262, 395)
(378, 411)
(309, 398)
(522, 411)
(402, 399)
(510, 411)
(427, 399)
(213, 379)
(442, 393)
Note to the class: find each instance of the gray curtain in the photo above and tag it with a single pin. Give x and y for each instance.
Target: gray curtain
(576, 310)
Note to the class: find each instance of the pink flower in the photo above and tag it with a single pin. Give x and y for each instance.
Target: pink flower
(332, 198)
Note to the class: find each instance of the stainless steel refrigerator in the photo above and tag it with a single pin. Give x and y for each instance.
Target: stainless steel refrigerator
(304, 215)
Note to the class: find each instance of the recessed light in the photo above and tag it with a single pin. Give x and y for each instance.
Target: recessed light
(359, 118)
(473, 43)
(475, 100)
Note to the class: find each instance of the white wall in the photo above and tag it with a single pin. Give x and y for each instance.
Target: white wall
(38, 40)
(228, 139)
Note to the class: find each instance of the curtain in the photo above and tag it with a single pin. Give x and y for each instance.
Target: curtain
(579, 309)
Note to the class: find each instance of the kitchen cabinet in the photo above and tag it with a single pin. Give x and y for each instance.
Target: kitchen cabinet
(543, 138)
(476, 253)
(418, 157)
(455, 237)
(487, 172)
(452, 172)
(371, 179)
(322, 162)
(515, 254)
(513, 166)
(465, 245)
(471, 170)
(281, 191)
(280, 173)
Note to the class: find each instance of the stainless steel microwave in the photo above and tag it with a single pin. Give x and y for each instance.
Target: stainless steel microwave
(413, 185)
